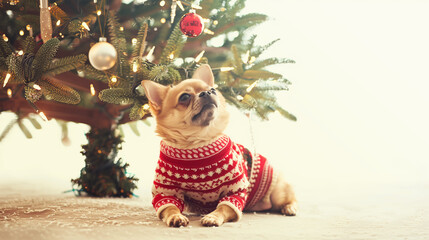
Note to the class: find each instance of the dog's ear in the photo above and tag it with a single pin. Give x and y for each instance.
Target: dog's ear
(155, 92)
(204, 72)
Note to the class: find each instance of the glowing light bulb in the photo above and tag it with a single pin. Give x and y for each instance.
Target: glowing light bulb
(6, 79)
(149, 55)
(171, 56)
(215, 22)
(92, 89)
(113, 79)
(135, 66)
(9, 93)
(226, 69)
(20, 52)
(98, 12)
(5, 38)
(121, 29)
(58, 23)
(43, 116)
(146, 107)
(198, 58)
(252, 59)
(208, 31)
(179, 3)
(28, 27)
(84, 25)
(248, 89)
(21, 32)
(37, 87)
(193, 6)
(162, 3)
(134, 41)
(162, 20)
(246, 57)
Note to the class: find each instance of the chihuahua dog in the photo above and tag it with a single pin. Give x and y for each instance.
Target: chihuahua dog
(200, 169)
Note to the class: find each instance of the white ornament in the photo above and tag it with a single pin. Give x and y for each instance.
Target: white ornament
(102, 55)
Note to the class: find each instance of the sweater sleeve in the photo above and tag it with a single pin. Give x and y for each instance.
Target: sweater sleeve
(236, 201)
(165, 196)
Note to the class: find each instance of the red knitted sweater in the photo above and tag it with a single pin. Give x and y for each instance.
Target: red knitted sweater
(200, 179)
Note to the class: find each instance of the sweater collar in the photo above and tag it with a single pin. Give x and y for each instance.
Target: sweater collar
(218, 147)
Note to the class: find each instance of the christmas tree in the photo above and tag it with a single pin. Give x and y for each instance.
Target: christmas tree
(44, 67)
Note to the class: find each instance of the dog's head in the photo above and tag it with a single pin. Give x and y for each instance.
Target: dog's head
(191, 113)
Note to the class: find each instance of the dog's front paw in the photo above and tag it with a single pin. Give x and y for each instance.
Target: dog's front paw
(177, 220)
(211, 220)
(290, 209)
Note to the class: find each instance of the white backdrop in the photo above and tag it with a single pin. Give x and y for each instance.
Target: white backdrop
(359, 92)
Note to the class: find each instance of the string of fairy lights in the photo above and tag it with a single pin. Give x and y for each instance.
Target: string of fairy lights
(46, 34)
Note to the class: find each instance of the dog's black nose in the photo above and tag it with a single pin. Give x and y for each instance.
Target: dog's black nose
(205, 94)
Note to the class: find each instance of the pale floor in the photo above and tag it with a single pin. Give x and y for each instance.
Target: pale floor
(389, 212)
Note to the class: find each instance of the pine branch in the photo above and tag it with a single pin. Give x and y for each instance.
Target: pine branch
(285, 113)
(44, 56)
(58, 92)
(270, 61)
(15, 67)
(164, 74)
(249, 20)
(238, 63)
(92, 73)
(141, 42)
(236, 24)
(5, 49)
(238, 6)
(117, 96)
(174, 46)
(136, 112)
(260, 50)
(271, 86)
(260, 74)
(118, 41)
(29, 45)
(3, 64)
(66, 64)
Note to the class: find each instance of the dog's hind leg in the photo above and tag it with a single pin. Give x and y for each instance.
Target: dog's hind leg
(283, 198)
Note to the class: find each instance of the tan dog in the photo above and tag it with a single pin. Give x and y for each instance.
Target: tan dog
(191, 118)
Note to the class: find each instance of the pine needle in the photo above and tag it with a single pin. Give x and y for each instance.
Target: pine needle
(5, 48)
(44, 56)
(136, 113)
(66, 64)
(29, 45)
(117, 96)
(58, 92)
(270, 61)
(260, 74)
(141, 42)
(174, 46)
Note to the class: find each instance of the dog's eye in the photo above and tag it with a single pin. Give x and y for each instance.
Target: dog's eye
(184, 98)
(212, 90)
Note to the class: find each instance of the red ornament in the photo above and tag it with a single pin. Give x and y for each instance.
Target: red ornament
(191, 24)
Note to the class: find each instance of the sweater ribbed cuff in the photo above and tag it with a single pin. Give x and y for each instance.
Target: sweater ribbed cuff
(236, 210)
